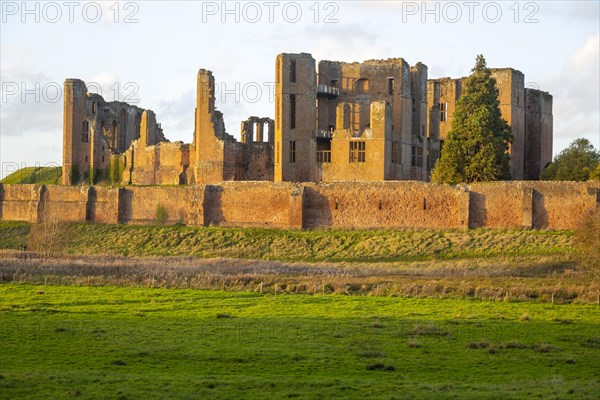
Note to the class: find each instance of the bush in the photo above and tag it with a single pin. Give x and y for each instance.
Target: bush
(162, 215)
(587, 240)
(48, 238)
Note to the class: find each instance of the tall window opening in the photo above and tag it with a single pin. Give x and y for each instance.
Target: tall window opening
(357, 152)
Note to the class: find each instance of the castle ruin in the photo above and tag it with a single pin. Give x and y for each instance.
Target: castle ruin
(372, 121)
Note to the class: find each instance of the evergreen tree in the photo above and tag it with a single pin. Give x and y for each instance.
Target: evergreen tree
(578, 162)
(476, 148)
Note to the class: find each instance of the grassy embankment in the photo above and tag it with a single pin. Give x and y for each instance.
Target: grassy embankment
(481, 264)
(38, 175)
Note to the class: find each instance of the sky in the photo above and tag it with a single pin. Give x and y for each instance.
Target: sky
(149, 52)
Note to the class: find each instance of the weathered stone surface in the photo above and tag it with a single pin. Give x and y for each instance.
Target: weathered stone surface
(376, 120)
(384, 204)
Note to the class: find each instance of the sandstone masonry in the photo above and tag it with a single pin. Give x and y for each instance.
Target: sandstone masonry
(383, 204)
(372, 121)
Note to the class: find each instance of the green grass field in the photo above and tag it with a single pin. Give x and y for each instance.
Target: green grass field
(39, 175)
(131, 343)
(153, 312)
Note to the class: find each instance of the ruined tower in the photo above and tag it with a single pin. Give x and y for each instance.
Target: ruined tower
(208, 168)
(511, 84)
(538, 132)
(295, 117)
(75, 129)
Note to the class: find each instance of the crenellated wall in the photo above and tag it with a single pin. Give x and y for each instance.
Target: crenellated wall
(385, 204)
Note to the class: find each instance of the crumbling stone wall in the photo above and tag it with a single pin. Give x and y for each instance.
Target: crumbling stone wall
(344, 93)
(384, 204)
(374, 161)
(498, 204)
(103, 205)
(94, 130)
(184, 204)
(317, 117)
(20, 202)
(561, 205)
(122, 143)
(252, 204)
(65, 203)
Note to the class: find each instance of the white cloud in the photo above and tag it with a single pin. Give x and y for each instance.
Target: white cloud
(30, 102)
(576, 105)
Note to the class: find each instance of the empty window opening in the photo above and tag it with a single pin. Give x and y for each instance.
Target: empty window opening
(85, 132)
(443, 112)
(424, 203)
(357, 152)
(323, 151)
(292, 111)
(380, 205)
(417, 156)
(94, 107)
(293, 71)
(292, 151)
(390, 86)
(121, 140)
(396, 152)
(361, 86)
(336, 204)
(115, 134)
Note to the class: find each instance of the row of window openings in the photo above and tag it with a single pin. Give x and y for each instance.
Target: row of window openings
(357, 153)
(86, 158)
(380, 204)
(443, 115)
(443, 106)
(85, 130)
(361, 86)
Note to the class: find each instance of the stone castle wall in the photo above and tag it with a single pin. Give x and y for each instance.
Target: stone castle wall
(389, 204)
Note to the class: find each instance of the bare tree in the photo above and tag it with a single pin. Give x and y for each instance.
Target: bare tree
(48, 237)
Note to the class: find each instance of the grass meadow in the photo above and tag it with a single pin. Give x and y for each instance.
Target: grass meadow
(157, 312)
(88, 342)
